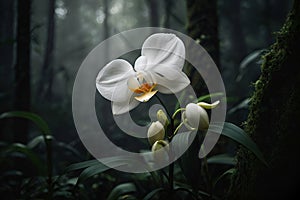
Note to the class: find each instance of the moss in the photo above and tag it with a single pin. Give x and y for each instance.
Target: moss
(274, 111)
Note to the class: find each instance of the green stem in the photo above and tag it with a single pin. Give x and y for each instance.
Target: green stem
(48, 143)
(178, 127)
(162, 103)
(171, 166)
(176, 112)
(208, 177)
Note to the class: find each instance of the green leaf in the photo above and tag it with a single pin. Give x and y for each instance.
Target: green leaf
(91, 171)
(81, 165)
(181, 141)
(95, 167)
(21, 148)
(222, 159)
(43, 126)
(228, 172)
(237, 134)
(189, 161)
(69, 148)
(120, 190)
(153, 193)
(209, 96)
(37, 140)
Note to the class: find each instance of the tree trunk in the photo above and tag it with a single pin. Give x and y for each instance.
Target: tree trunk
(153, 12)
(105, 22)
(239, 50)
(22, 68)
(273, 122)
(46, 79)
(6, 62)
(203, 26)
(168, 10)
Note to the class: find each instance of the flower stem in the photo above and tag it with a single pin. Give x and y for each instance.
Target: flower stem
(171, 166)
(177, 111)
(162, 103)
(48, 142)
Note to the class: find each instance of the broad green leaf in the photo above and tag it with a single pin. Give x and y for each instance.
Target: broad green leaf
(222, 159)
(69, 148)
(228, 172)
(94, 166)
(81, 165)
(237, 134)
(181, 141)
(208, 96)
(91, 171)
(188, 191)
(243, 105)
(21, 148)
(43, 126)
(37, 140)
(120, 190)
(153, 193)
(189, 161)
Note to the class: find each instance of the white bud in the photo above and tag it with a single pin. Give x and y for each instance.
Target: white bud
(162, 117)
(160, 151)
(195, 117)
(156, 132)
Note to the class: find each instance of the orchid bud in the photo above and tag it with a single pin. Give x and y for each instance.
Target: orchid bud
(156, 132)
(195, 117)
(162, 117)
(160, 151)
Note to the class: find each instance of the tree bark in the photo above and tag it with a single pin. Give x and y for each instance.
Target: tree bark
(203, 27)
(46, 79)
(273, 122)
(7, 41)
(22, 68)
(105, 22)
(153, 12)
(168, 10)
(239, 50)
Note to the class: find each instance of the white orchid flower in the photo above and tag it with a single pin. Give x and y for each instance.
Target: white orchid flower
(196, 116)
(158, 69)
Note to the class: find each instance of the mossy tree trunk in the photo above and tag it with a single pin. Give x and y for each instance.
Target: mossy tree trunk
(273, 122)
(202, 26)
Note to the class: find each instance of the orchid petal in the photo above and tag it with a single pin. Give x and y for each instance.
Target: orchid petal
(162, 48)
(133, 83)
(186, 123)
(145, 97)
(197, 116)
(140, 63)
(111, 81)
(170, 83)
(207, 105)
(123, 107)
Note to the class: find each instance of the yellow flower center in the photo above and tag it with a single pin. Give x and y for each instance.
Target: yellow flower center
(144, 88)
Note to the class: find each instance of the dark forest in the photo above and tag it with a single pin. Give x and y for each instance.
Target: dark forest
(219, 74)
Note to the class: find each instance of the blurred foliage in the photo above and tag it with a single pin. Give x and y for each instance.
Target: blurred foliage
(80, 26)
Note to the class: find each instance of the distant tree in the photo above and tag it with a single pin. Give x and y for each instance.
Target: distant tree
(202, 25)
(105, 22)
(7, 42)
(22, 68)
(237, 37)
(273, 122)
(46, 77)
(153, 13)
(168, 5)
